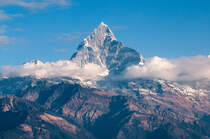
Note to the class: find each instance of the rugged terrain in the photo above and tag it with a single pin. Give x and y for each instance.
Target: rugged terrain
(63, 107)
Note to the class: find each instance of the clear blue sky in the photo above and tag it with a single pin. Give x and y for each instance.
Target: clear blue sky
(51, 31)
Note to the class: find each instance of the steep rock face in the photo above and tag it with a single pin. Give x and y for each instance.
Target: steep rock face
(74, 102)
(91, 48)
(23, 119)
(170, 116)
(102, 48)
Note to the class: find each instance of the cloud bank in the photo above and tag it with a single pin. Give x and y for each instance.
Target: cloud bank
(181, 69)
(62, 68)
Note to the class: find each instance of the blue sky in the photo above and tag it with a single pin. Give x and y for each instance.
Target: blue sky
(51, 30)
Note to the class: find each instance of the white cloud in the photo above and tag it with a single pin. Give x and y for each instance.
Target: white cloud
(56, 69)
(35, 4)
(182, 69)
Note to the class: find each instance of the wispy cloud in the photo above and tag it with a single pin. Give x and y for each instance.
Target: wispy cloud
(35, 4)
(31, 5)
(60, 50)
(70, 36)
(118, 27)
(3, 29)
(5, 16)
(181, 69)
(5, 40)
(67, 37)
(18, 29)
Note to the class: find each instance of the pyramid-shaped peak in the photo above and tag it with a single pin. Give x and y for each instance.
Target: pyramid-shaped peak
(102, 24)
(98, 36)
(103, 30)
(101, 48)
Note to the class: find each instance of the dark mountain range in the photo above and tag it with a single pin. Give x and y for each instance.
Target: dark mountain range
(100, 114)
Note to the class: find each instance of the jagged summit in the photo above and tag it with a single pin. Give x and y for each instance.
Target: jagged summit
(102, 23)
(96, 39)
(102, 48)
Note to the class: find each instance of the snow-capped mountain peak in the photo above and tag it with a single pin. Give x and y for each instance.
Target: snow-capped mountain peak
(102, 48)
(96, 39)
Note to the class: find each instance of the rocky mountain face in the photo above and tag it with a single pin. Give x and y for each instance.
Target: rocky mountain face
(24, 119)
(161, 113)
(113, 109)
(102, 48)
